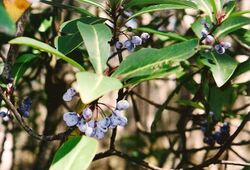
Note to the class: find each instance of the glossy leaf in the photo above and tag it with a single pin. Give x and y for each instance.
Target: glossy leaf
(45, 47)
(219, 97)
(230, 25)
(72, 40)
(206, 7)
(221, 66)
(7, 26)
(244, 36)
(241, 73)
(92, 86)
(68, 43)
(161, 7)
(22, 63)
(76, 153)
(93, 2)
(96, 38)
(133, 3)
(68, 7)
(148, 61)
(70, 27)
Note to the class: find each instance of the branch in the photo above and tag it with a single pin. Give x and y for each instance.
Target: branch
(31, 132)
(125, 156)
(225, 162)
(225, 146)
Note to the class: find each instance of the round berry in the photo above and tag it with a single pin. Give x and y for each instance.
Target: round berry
(226, 45)
(3, 114)
(129, 45)
(122, 105)
(209, 40)
(136, 40)
(219, 49)
(87, 113)
(82, 125)
(118, 45)
(89, 132)
(145, 36)
(204, 33)
(71, 118)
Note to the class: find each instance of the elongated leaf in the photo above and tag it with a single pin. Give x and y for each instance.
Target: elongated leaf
(197, 27)
(92, 2)
(7, 26)
(221, 66)
(244, 36)
(68, 7)
(72, 40)
(93, 86)
(96, 38)
(77, 153)
(133, 3)
(161, 7)
(22, 63)
(206, 7)
(170, 35)
(148, 61)
(45, 47)
(230, 25)
(241, 73)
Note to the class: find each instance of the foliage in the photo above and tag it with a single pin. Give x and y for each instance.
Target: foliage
(90, 45)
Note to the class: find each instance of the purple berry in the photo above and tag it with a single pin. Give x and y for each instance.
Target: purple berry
(204, 33)
(3, 114)
(226, 45)
(25, 106)
(145, 36)
(69, 94)
(219, 49)
(71, 118)
(82, 125)
(136, 40)
(122, 105)
(118, 45)
(129, 45)
(87, 113)
(89, 132)
(209, 39)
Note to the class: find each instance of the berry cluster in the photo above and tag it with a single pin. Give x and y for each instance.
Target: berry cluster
(217, 136)
(208, 39)
(25, 106)
(130, 44)
(89, 124)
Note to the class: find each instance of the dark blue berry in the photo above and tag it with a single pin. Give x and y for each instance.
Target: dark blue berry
(25, 106)
(209, 140)
(129, 45)
(3, 114)
(219, 49)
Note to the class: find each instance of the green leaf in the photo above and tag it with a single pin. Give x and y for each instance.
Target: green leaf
(230, 25)
(147, 62)
(68, 43)
(241, 73)
(221, 66)
(7, 26)
(93, 3)
(161, 7)
(72, 40)
(76, 153)
(197, 27)
(70, 27)
(68, 7)
(170, 35)
(22, 63)
(96, 38)
(93, 86)
(206, 7)
(243, 35)
(133, 3)
(45, 47)
(219, 97)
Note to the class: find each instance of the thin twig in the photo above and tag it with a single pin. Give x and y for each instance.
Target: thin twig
(31, 132)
